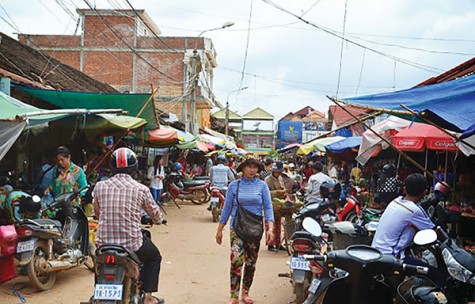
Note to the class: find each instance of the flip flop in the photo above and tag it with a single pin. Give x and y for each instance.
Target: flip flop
(160, 300)
(247, 299)
(233, 301)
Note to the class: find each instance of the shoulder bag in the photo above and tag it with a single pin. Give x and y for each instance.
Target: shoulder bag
(247, 225)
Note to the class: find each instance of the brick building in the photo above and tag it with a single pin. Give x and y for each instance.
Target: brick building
(124, 48)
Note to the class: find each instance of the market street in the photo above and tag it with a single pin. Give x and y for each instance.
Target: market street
(194, 268)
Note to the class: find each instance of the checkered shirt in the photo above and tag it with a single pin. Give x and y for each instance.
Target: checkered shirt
(390, 185)
(118, 204)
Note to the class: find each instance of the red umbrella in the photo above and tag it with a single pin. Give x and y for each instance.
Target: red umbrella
(418, 137)
(163, 136)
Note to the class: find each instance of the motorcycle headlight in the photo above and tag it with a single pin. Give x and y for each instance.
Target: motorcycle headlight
(456, 270)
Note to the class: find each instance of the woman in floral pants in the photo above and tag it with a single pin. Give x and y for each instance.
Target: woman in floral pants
(252, 194)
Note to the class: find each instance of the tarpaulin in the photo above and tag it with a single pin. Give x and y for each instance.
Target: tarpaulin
(318, 145)
(418, 136)
(133, 103)
(163, 136)
(372, 144)
(345, 144)
(448, 104)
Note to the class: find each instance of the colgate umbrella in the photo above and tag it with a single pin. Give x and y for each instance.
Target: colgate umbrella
(418, 137)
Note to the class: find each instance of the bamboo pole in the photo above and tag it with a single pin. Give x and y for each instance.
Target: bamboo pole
(385, 140)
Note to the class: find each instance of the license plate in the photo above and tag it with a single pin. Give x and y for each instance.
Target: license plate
(25, 246)
(314, 286)
(298, 263)
(108, 292)
(214, 199)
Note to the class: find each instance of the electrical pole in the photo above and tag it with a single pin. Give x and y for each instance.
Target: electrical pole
(226, 118)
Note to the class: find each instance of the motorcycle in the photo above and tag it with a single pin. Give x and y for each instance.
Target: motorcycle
(117, 278)
(217, 202)
(351, 211)
(196, 191)
(358, 274)
(46, 246)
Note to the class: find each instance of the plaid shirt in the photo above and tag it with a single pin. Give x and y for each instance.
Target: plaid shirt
(118, 203)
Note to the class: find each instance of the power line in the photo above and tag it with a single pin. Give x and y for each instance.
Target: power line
(247, 48)
(361, 72)
(341, 50)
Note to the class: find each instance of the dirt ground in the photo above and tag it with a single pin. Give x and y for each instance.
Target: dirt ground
(194, 268)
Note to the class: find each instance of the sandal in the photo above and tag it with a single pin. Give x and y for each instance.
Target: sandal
(246, 299)
(233, 301)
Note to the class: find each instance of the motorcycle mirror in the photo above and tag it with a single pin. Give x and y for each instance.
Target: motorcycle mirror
(425, 237)
(36, 199)
(312, 226)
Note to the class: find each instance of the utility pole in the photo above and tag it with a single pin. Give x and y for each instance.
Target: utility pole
(226, 119)
(195, 59)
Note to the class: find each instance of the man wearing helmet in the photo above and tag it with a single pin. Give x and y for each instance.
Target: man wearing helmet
(315, 181)
(118, 204)
(220, 175)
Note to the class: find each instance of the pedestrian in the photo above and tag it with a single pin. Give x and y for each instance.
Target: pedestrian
(209, 164)
(315, 181)
(275, 183)
(389, 187)
(334, 171)
(253, 195)
(156, 175)
(67, 177)
(356, 173)
(118, 204)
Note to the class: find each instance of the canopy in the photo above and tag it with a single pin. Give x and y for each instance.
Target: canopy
(448, 104)
(344, 144)
(163, 136)
(371, 144)
(318, 144)
(418, 136)
(194, 144)
(289, 147)
(212, 139)
(133, 103)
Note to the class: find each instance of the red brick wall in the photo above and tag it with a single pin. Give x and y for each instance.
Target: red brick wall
(50, 40)
(67, 57)
(106, 68)
(104, 37)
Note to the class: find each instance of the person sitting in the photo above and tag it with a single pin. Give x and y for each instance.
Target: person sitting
(389, 187)
(220, 176)
(315, 181)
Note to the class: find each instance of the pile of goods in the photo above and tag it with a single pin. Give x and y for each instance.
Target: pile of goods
(283, 207)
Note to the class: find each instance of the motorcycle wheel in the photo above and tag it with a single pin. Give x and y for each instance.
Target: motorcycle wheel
(352, 217)
(40, 279)
(90, 263)
(301, 291)
(199, 197)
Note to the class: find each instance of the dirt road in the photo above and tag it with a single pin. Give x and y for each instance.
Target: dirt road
(194, 268)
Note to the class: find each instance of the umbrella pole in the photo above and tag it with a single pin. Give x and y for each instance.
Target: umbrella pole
(398, 161)
(446, 163)
(425, 163)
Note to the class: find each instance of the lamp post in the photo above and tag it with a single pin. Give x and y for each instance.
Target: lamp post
(226, 119)
(195, 77)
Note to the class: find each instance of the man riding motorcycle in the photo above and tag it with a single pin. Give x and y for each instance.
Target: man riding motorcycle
(220, 176)
(118, 204)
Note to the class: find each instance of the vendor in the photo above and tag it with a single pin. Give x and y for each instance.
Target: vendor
(276, 186)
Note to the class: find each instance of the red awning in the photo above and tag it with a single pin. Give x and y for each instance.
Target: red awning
(163, 136)
(418, 137)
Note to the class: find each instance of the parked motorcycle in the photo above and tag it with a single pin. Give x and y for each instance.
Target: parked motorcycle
(47, 246)
(217, 202)
(197, 191)
(117, 277)
(362, 279)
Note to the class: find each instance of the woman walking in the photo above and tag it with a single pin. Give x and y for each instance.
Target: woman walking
(252, 194)
(156, 174)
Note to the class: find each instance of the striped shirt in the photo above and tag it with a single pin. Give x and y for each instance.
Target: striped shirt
(254, 196)
(118, 203)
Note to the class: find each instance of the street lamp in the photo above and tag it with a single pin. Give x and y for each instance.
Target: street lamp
(226, 120)
(194, 78)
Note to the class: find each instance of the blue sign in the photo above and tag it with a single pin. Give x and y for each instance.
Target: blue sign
(289, 132)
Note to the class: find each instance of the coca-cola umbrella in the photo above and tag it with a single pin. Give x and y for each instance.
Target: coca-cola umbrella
(419, 137)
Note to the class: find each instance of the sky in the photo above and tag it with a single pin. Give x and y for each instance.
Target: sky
(295, 55)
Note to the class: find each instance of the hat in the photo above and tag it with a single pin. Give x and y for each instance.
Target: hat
(278, 167)
(291, 165)
(249, 159)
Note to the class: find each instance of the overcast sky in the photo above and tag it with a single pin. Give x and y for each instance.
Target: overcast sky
(392, 44)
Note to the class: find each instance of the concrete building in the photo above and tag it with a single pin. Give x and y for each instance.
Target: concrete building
(258, 131)
(124, 48)
(235, 120)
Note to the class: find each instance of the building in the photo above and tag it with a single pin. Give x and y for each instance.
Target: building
(258, 131)
(339, 118)
(234, 120)
(289, 130)
(124, 48)
(314, 124)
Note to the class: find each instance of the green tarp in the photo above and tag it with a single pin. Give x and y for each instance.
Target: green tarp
(133, 103)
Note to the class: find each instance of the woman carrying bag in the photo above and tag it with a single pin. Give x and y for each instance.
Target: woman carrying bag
(246, 200)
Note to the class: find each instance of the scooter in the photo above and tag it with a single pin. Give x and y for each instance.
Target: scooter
(351, 211)
(196, 191)
(217, 202)
(117, 277)
(47, 246)
(360, 272)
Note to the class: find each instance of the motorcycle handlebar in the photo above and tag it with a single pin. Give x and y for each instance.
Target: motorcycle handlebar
(414, 269)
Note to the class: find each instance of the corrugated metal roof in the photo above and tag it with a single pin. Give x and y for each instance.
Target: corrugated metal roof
(462, 70)
(258, 113)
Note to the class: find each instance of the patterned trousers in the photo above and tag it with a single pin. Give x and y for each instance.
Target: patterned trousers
(242, 253)
(277, 232)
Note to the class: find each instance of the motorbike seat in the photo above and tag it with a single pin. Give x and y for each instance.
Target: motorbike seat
(194, 183)
(119, 250)
(374, 211)
(44, 222)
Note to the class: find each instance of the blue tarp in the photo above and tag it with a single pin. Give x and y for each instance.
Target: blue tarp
(449, 104)
(344, 144)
